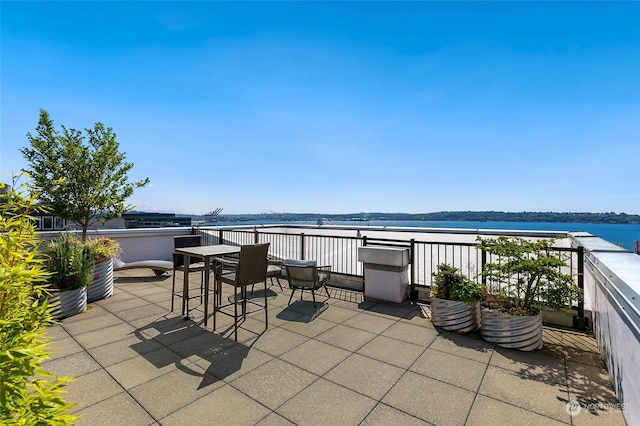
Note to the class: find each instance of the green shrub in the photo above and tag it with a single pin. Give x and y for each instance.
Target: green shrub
(70, 262)
(452, 285)
(103, 248)
(524, 275)
(29, 395)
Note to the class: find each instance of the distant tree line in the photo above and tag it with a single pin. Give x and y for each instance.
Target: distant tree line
(493, 216)
(458, 216)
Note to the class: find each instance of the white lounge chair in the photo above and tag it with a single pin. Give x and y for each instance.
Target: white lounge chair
(159, 267)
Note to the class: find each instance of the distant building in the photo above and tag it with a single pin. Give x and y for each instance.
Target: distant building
(154, 220)
(49, 222)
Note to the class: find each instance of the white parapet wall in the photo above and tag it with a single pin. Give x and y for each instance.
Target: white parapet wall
(138, 244)
(612, 294)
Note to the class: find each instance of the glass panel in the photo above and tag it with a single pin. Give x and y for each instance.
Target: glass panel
(47, 222)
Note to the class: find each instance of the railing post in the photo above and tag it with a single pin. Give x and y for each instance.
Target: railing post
(580, 323)
(302, 246)
(364, 241)
(220, 240)
(255, 236)
(483, 262)
(413, 293)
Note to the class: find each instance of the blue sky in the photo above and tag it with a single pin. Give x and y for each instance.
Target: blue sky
(335, 107)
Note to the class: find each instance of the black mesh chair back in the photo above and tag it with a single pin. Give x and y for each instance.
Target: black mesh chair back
(183, 241)
(252, 264)
(250, 268)
(195, 265)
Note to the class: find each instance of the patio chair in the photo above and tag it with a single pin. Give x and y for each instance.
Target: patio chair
(249, 269)
(274, 270)
(305, 275)
(178, 265)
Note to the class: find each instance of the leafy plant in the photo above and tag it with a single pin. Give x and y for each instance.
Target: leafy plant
(70, 262)
(103, 248)
(94, 176)
(526, 274)
(29, 395)
(452, 285)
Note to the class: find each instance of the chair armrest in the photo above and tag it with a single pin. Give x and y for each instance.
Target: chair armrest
(222, 263)
(226, 261)
(324, 273)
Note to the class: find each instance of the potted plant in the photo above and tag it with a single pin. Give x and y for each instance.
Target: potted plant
(103, 250)
(70, 265)
(522, 277)
(455, 301)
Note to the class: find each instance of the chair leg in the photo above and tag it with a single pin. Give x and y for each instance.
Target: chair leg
(173, 288)
(293, 290)
(235, 313)
(278, 281)
(266, 313)
(243, 292)
(215, 311)
(313, 295)
(327, 290)
(266, 310)
(201, 285)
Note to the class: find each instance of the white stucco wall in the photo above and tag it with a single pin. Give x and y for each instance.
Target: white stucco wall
(612, 284)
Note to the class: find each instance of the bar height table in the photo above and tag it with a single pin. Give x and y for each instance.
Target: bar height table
(206, 253)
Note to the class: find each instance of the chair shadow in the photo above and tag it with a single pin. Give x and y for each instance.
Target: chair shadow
(259, 294)
(140, 279)
(176, 340)
(302, 311)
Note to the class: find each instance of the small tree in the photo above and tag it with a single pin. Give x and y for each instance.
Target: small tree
(29, 395)
(528, 274)
(94, 178)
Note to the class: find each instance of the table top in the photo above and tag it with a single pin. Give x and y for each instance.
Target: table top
(206, 251)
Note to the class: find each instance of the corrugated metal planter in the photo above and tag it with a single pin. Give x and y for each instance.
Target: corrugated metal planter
(510, 331)
(454, 315)
(102, 285)
(67, 303)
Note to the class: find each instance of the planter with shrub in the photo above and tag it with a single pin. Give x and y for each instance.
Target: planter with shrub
(455, 301)
(70, 264)
(103, 250)
(522, 277)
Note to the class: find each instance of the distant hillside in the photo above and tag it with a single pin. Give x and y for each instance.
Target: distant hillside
(492, 216)
(458, 216)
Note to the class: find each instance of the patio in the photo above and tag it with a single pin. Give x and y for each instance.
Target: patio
(355, 362)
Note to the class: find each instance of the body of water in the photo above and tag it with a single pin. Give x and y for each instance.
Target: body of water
(620, 234)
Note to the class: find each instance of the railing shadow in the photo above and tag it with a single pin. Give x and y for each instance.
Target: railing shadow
(571, 366)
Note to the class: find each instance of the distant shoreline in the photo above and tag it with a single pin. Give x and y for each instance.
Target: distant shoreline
(453, 216)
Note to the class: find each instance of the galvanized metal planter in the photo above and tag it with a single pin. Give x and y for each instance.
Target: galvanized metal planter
(454, 315)
(68, 302)
(102, 285)
(510, 331)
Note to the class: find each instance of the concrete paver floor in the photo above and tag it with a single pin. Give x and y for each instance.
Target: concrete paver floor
(346, 362)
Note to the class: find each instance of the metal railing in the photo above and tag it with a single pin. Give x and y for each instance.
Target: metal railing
(341, 253)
